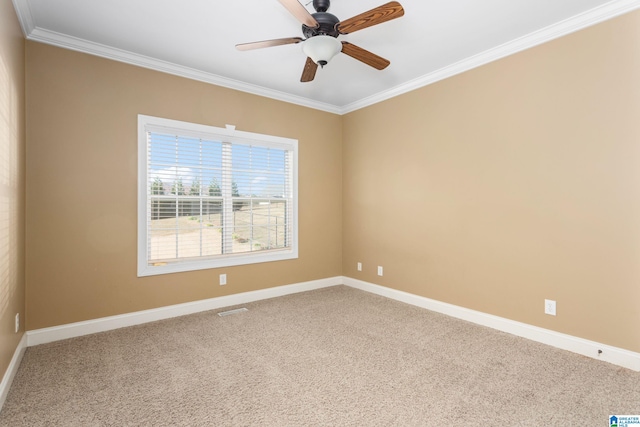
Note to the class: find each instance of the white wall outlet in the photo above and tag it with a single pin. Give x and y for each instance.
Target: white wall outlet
(359, 266)
(17, 325)
(550, 307)
(379, 270)
(223, 279)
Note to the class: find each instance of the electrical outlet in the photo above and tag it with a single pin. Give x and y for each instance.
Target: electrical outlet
(17, 325)
(359, 266)
(223, 279)
(550, 307)
(379, 271)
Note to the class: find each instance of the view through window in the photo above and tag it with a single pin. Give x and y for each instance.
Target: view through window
(214, 197)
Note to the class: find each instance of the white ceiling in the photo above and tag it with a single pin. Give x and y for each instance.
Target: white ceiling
(196, 39)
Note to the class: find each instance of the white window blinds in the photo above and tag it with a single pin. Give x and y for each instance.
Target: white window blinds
(215, 197)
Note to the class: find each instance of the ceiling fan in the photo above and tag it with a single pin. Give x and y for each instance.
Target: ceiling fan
(321, 30)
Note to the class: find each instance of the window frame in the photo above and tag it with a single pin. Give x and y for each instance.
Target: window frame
(226, 135)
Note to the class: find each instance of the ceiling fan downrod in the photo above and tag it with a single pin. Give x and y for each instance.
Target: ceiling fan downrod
(321, 5)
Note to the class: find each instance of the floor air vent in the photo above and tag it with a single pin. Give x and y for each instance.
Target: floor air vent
(230, 312)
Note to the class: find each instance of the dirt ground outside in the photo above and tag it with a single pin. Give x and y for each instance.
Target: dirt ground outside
(258, 226)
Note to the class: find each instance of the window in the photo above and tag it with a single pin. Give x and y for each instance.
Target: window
(213, 197)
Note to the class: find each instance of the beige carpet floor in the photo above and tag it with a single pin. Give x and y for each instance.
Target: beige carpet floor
(331, 357)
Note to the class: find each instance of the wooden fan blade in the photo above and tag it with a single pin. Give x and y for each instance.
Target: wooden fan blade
(299, 11)
(309, 71)
(362, 55)
(380, 14)
(268, 43)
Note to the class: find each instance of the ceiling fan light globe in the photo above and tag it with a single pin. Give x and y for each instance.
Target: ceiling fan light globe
(321, 48)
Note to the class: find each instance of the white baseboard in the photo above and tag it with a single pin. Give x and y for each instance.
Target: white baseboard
(614, 355)
(72, 330)
(10, 373)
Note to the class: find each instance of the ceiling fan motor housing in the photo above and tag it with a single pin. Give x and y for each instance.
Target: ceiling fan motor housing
(326, 25)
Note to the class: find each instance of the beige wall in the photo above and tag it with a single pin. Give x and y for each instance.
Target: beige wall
(82, 176)
(508, 184)
(493, 190)
(12, 143)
